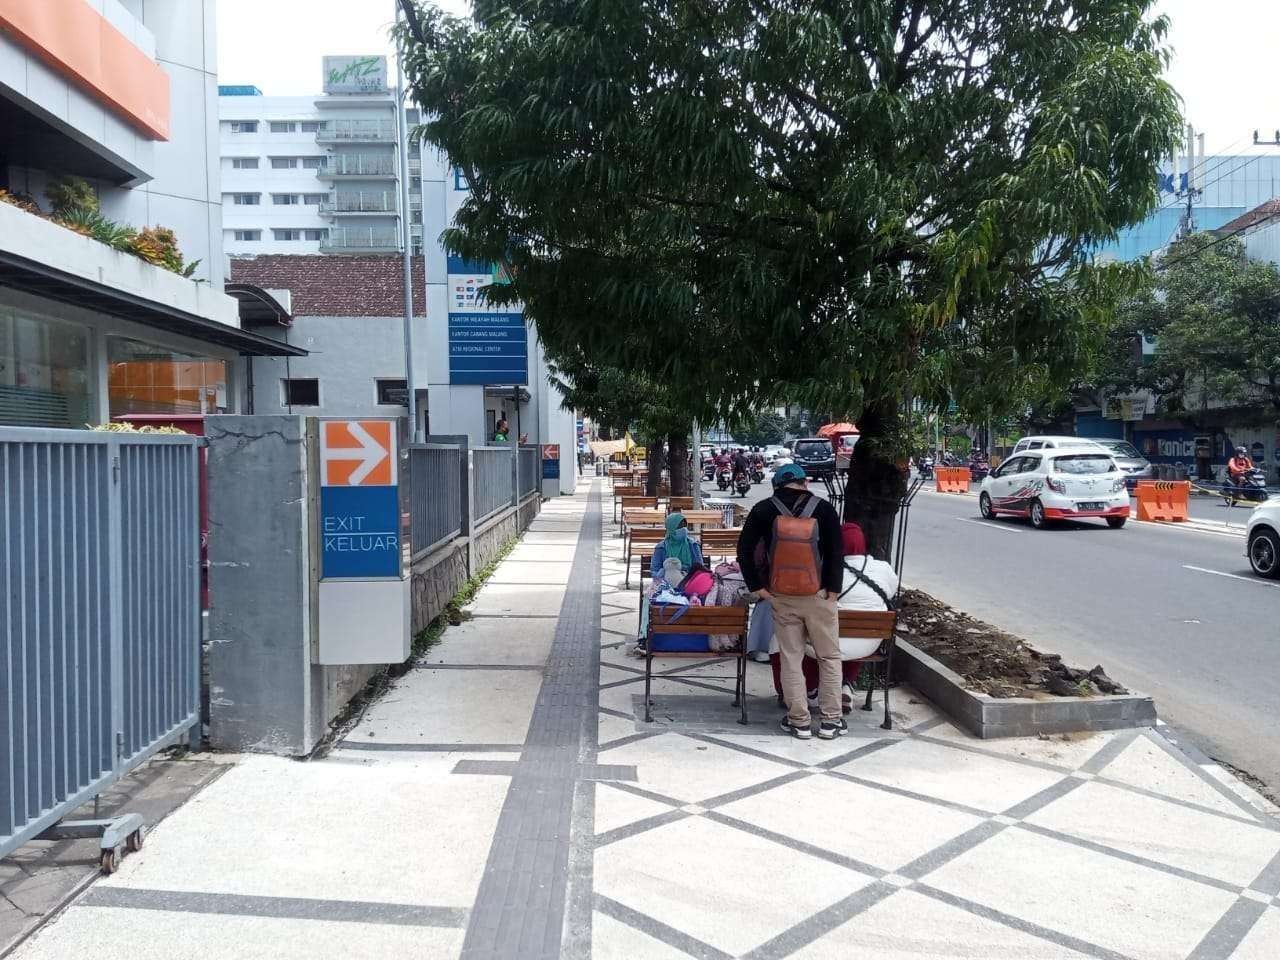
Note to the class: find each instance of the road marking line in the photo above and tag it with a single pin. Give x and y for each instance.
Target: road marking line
(990, 524)
(1234, 576)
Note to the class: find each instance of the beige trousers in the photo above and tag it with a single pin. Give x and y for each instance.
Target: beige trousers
(819, 619)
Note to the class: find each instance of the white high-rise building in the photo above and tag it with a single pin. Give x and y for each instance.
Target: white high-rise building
(317, 174)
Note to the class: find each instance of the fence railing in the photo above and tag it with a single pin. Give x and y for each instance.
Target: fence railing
(361, 201)
(530, 470)
(359, 165)
(360, 238)
(377, 131)
(435, 495)
(99, 614)
(492, 480)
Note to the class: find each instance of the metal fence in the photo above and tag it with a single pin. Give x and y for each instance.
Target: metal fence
(492, 480)
(530, 468)
(435, 495)
(99, 614)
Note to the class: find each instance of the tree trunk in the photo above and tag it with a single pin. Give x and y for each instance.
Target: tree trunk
(678, 463)
(657, 463)
(876, 484)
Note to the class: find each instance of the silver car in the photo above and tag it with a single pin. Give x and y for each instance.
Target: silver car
(1132, 464)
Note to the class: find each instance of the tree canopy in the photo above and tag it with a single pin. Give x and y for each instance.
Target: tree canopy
(826, 199)
(1214, 317)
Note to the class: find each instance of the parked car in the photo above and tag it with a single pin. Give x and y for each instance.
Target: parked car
(816, 455)
(1132, 464)
(775, 452)
(1053, 443)
(1263, 539)
(1068, 483)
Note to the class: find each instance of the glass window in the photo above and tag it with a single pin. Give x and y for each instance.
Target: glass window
(284, 199)
(283, 163)
(248, 235)
(245, 199)
(1121, 448)
(315, 163)
(288, 234)
(283, 126)
(148, 378)
(319, 234)
(1084, 463)
(303, 392)
(44, 371)
(314, 199)
(392, 392)
(244, 163)
(244, 126)
(312, 126)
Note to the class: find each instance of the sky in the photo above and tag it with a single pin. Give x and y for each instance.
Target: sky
(1224, 54)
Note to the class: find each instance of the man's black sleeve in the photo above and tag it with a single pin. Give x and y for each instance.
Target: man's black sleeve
(831, 547)
(754, 529)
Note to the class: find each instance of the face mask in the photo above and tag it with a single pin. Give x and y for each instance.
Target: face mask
(682, 533)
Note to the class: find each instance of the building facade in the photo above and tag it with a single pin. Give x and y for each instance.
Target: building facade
(318, 174)
(126, 117)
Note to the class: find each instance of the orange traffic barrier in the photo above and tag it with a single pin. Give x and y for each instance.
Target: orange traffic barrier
(952, 479)
(1163, 500)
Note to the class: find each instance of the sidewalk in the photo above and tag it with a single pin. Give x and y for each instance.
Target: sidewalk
(503, 801)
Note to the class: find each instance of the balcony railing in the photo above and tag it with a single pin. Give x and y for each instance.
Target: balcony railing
(359, 165)
(353, 239)
(361, 201)
(357, 131)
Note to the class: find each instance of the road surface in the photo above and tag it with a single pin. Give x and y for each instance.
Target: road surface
(1168, 611)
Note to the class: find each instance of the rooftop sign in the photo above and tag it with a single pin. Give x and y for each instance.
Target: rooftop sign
(355, 74)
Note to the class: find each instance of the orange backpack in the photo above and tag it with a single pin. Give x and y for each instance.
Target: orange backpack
(794, 568)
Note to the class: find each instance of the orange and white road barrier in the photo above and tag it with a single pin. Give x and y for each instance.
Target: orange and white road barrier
(952, 479)
(1163, 500)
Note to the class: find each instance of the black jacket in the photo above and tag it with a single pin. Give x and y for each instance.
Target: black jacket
(758, 528)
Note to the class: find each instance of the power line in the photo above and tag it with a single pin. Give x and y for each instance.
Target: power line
(1226, 236)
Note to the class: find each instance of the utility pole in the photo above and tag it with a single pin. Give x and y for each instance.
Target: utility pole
(1192, 191)
(402, 137)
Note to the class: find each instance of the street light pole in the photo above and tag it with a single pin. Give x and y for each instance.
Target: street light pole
(402, 137)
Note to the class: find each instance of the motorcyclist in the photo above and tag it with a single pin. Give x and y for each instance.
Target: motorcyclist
(1239, 467)
(740, 464)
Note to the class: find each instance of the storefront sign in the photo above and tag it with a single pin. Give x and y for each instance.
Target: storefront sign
(355, 74)
(359, 499)
(487, 344)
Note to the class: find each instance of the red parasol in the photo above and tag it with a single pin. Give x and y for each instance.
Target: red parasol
(836, 430)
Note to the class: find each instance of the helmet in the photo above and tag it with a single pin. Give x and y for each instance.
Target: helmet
(788, 473)
(1241, 452)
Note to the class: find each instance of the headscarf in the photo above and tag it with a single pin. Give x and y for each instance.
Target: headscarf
(855, 544)
(677, 540)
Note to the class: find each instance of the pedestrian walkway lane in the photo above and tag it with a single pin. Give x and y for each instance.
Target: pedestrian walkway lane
(505, 800)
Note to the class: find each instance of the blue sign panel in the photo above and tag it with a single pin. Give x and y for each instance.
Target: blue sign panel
(488, 348)
(360, 532)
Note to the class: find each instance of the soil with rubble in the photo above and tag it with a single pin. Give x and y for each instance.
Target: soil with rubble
(990, 660)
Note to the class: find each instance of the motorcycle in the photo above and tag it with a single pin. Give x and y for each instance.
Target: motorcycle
(724, 478)
(757, 473)
(742, 483)
(1247, 487)
(709, 470)
(926, 468)
(978, 470)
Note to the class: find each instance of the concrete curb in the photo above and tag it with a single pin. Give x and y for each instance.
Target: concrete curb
(991, 717)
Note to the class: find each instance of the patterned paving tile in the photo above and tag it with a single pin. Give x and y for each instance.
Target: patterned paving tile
(690, 771)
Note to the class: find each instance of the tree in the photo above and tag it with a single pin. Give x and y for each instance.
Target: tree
(814, 199)
(761, 430)
(1214, 315)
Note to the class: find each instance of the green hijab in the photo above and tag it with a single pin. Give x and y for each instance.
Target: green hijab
(677, 541)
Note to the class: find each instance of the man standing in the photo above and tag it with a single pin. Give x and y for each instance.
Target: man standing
(791, 554)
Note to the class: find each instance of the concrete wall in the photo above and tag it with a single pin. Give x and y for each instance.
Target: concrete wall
(265, 694)
(435, 580)
(347, 355)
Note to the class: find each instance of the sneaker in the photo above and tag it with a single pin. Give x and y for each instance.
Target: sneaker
(830, 729)
(759, 656)
(846, 698)
(812, 695)
(800, 733)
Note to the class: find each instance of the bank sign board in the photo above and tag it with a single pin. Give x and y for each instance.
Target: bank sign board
(359, 499)
(487, 344)
(345, 74)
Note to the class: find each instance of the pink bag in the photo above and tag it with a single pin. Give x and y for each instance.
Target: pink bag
(698, 583)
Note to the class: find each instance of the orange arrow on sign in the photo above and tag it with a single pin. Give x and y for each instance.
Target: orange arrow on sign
(357, 453)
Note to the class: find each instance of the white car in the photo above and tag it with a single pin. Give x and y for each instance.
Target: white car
(1263, 539)
(1055, 443)
(1056, 484)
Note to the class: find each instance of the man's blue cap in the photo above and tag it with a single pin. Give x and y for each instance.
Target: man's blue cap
(788, 473)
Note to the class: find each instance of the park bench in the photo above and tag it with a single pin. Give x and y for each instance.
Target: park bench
(874, 625)
(672, 618)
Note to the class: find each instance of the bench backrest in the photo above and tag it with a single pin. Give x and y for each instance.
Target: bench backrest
(704, 518)
(639, 503)
(679, 503)
(628, 491)
(633, 518)
(647, 535)
(867, 624)
(730, 620)
(719, 542)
